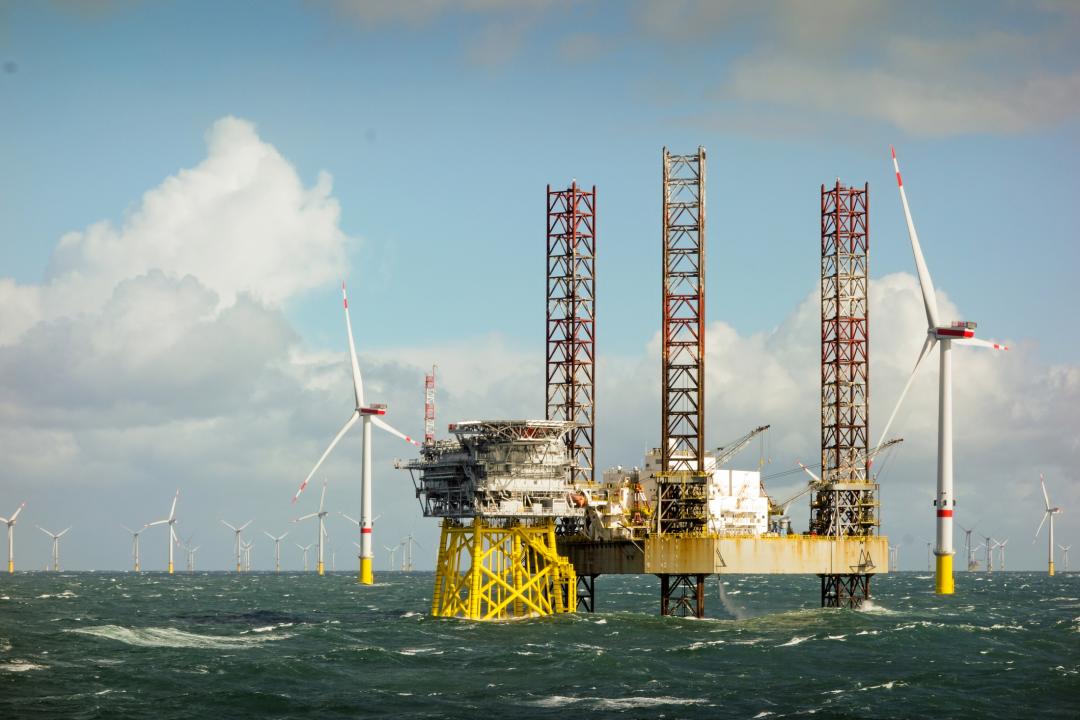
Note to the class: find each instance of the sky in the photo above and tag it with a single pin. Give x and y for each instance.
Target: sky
(185, 186)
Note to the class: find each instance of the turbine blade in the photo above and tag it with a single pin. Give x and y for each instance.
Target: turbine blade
(1042, 481)
(269, 536)
(322, 500)
(344, 429)
(16, 515)
(979, 342)
(1045, 515)
(809, 472)
(390, 429)
(228, 526)
(241, 528)
(306, 517)
(358, 382)
(156, 522)
(172, 510)
(925, 283)
(926, 348)
(44, 530)
(64, 531)
(350, 518)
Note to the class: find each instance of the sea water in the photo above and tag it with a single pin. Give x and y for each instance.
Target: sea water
(221, 645)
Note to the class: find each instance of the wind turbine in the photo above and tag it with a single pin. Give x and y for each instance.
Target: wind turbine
(171, 522)
(246, 547)
(393, 553)
(277, 549)
(1001, 553)
(967, 545)
(10, 522)
(406, 558)
(237, 530)
(1065, 550)
(370, 416)
(191, 557)
(894, 565)
(55, 546)
(305, 549)
(1050, 513)
(134, 544)
(321, 514)
(989, 553)
(960, 332)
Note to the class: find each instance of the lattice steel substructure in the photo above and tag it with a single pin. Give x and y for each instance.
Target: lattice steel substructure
(571, 322)
(846, 504)
(682, 484)
(429, 408)
(683, 333)
(499, 486)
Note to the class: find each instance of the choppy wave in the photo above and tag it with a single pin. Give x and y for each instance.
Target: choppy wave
(623, 703)
(174, 638)
(18, 666)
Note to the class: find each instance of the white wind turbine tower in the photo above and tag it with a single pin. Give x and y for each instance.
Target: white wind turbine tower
(407, 556)
(277, 549)
(393, 553)
(305, 548)
(246, 547)
(1065, 551)
(191, 558)
(10, 522)
(967, 545)
(989, 553)
(370, 416)
(1049, 513)
(237, 530)
(959, 332)
(171, 522)
(134, 544)
(321, 515)
(55, 546)
(1001, 553)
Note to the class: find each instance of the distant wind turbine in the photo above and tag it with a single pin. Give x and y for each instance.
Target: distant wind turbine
(171, 522)
(305, 548)
(237, 530)
(277, 549)
(321, 515)
(10, 522)
(134, 544)
(1049, 513)
(393, 553)
(370, 416)
(55, 546)
(1065, 551)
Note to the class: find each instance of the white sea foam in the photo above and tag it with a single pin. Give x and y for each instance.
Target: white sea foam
(763, 713)
(601, 621)
(172, 637)
(269, 628)
(835, 637)
(615, 703)
(420, 651)
(795, 641)
(20, 666)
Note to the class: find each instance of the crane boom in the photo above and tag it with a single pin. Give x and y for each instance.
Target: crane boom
(723, 454)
